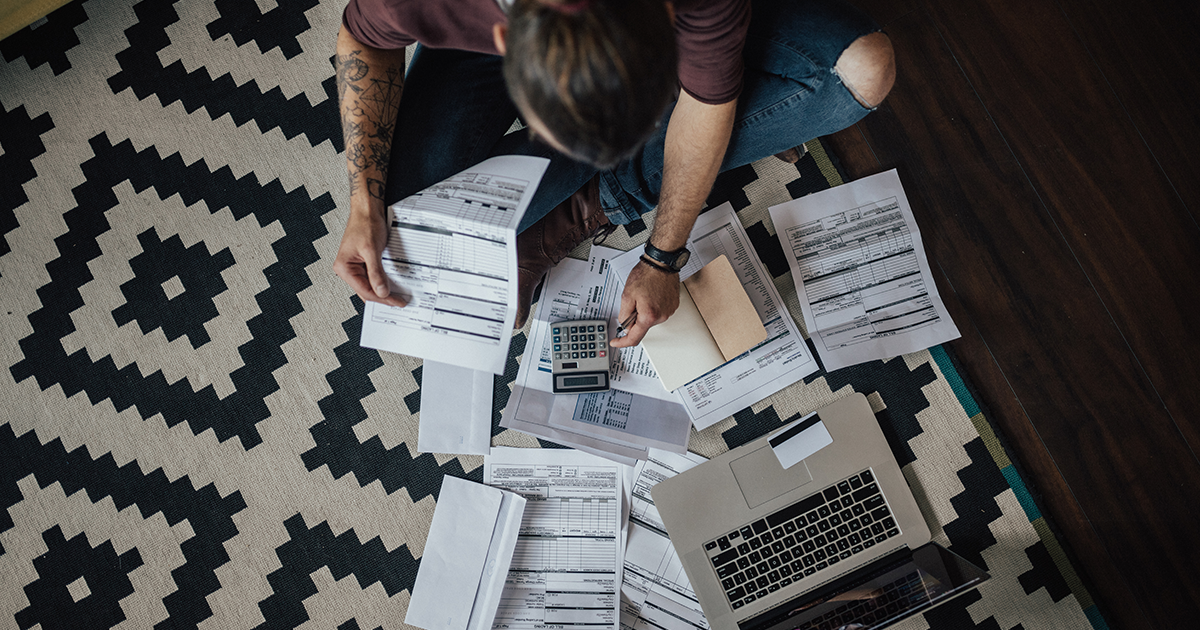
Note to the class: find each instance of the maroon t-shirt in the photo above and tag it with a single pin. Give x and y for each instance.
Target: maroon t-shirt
(709, 34)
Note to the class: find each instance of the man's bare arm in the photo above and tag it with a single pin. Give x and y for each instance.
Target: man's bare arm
(369, 81)
(697, 136)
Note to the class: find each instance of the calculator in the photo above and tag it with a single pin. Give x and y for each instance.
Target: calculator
(579, 350)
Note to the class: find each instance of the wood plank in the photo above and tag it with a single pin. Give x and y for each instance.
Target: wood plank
(1117, 210)
(1148, 54)
(1081, 542)
(1049, 331)
(1137, 243)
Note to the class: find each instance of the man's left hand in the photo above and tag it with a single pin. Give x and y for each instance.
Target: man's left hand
(653, 295)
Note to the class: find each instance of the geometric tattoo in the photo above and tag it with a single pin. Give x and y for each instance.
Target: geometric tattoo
(369, 99)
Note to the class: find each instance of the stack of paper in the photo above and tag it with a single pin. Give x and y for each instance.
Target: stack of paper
(566, 571)
(782, 359)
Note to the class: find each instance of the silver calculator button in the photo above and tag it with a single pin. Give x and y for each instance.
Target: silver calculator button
(557, 355)
(600, 344)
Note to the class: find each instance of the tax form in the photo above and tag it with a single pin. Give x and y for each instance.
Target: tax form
(861, 273)
(452, 255)
(780, 360)
(565, 572)
(655, 592)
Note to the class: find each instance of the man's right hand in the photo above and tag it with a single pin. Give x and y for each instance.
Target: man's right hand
(359, 259)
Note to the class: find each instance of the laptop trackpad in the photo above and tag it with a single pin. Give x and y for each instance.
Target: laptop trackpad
(762, 478)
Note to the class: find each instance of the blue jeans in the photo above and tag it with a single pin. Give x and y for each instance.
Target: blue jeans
(455, 111)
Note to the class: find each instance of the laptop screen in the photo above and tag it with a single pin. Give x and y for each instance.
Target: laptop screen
(894, 587)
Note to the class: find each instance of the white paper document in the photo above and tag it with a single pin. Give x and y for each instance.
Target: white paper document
(452, 255)
(471, 543)
(655, 592)
(864, 282)
(782, 359)
(565, 573)
(456, 410)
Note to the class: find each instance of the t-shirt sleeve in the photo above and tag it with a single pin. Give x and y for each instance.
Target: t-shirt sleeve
(710, 36)
(374, 23)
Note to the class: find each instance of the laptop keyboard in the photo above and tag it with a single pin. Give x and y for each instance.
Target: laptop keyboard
(800, 539)
(878, 605)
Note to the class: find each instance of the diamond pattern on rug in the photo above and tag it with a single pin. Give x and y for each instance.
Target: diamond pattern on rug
(209, 514)
(233, 416)
(62, 596)
(143, 72)
(185, 312)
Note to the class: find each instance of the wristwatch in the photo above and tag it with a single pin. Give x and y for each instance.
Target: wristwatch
(671, 260)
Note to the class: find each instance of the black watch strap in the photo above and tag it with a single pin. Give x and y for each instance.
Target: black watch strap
(673, 260)
(650, 262)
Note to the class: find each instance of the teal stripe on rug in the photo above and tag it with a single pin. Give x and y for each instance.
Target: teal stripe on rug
(1018, 487)
(1094, 616)
(956, 382)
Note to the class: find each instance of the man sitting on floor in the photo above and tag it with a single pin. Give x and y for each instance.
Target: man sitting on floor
(637, 103)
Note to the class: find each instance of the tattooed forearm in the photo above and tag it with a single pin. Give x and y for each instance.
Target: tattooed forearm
(369, 84)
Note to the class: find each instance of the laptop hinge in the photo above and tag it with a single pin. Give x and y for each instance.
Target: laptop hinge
(831, 589)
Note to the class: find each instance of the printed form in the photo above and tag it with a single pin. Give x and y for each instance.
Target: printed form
(565, 572)
(655, 592)
(452, 254)
(861, 272)
(780, 360)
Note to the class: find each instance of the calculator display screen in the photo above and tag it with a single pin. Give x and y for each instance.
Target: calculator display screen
(575, 381)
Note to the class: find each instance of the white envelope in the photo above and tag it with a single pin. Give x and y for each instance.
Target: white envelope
(467, 555)
(456, 410)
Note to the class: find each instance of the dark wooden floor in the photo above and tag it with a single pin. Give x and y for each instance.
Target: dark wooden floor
(1051, 152)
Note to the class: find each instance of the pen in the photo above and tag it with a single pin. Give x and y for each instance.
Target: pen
(621, 330)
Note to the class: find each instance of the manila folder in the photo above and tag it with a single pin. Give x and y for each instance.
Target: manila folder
(715, 322)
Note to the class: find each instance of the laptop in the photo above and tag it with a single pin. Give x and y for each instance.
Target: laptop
(836, 540)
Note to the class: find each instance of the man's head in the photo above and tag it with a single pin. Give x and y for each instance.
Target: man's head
(591, 76)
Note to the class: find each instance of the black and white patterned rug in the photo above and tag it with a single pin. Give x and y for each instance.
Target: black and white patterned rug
(191, 435)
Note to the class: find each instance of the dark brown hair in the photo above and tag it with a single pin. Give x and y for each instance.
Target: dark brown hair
(598, 74)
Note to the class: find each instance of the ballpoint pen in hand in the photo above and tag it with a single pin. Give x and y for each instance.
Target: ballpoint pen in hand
(623, 329)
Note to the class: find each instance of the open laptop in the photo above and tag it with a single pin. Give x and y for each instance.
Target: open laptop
(833, 541)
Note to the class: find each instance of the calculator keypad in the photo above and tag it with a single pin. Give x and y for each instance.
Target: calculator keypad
(579, 342)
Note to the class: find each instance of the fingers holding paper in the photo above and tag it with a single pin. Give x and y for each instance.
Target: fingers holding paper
(653, 295)
(359, 259)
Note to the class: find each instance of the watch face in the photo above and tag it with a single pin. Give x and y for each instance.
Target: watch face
(681, 260)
